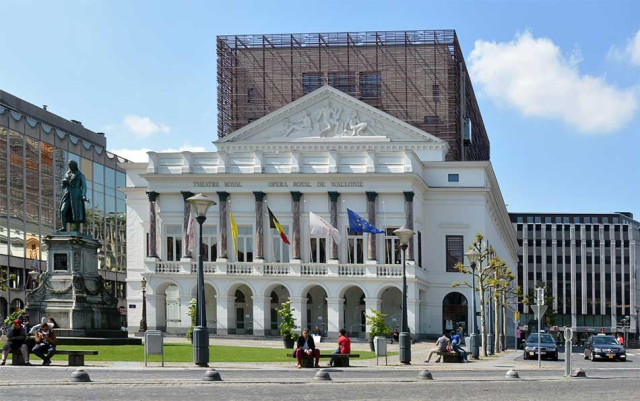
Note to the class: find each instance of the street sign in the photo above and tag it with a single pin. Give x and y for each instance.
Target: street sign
(538, 310)
(516, 316)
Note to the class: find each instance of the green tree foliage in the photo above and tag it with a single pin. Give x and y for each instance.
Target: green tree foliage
(288, 324)
(192, 312)
(377, 324)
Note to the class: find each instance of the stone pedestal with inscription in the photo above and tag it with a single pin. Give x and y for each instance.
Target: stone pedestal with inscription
(72, 292)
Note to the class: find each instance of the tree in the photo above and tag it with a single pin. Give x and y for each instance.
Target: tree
(501, 282)
(192, 312)
(5, 277)
(288, 324)
(377, 324)
(482, 275)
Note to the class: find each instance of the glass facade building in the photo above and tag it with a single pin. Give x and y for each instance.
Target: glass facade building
(35, 147)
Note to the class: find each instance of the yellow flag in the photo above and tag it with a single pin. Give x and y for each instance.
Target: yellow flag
(234, 233)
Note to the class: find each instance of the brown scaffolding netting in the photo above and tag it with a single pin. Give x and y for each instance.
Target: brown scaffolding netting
(416, 76)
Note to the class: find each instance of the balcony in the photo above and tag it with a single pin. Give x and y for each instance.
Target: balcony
(300, 269)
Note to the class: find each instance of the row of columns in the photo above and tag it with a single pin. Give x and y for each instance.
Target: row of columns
(260, 232)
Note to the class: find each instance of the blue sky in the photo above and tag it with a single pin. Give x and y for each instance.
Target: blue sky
(558, 82)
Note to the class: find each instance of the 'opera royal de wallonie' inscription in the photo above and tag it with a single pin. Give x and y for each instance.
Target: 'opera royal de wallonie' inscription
(282, 184)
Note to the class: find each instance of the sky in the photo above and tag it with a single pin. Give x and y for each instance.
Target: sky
(557, 82)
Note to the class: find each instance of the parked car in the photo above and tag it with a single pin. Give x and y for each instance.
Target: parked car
(604, 347)
(548, 348)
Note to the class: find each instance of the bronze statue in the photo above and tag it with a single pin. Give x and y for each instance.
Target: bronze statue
(74, 186)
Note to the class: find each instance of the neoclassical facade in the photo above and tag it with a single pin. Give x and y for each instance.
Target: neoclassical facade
(323, 153)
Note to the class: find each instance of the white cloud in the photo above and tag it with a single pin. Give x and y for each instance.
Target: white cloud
(140, 155)
(628, 54)
(534, 77)
(144, 127)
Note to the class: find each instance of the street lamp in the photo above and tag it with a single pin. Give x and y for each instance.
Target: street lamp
(200, 333)
(473, 256)
(404, 236)
(143, 321)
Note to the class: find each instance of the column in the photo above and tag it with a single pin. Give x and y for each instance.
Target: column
(333, 209)
(261, 315)
(335, 316)
(223, 230)
(371, 211)
(371, 303)
(153, 250)
(295, 199)
(413, 313)
(408, 211)
(259, 225)
(224, 309)
(300, 306)
(185, 320)
(186, 252)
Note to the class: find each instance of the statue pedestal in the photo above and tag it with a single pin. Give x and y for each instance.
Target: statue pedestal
(71, 291)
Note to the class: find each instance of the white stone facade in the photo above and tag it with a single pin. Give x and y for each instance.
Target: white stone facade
(323, 153)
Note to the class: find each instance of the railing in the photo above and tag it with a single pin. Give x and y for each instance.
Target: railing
(313, 269)
(389, 270)
(167, 267)
(237, 268)
(349, 270)
(276, 269)
(207, 267)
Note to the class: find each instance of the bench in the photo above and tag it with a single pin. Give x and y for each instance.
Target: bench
(450, 357)
(76, 357)
(341, 360)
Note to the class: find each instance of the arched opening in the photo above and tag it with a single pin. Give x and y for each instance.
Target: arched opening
(391, 306)
(210, 306)
(16, 304)
(279, 294)
(316, 310)
(455, 313)
(242, 320)
(355, 321)
(3, 308)
(172, 309)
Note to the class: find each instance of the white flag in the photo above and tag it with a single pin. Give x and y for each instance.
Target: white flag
(191, 234)
(319, 226)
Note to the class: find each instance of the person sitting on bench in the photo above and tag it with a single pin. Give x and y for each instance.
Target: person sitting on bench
(344, 345)
(306, 346)
(45, 344)
(442, 345)
(16, 337)
(455, 346)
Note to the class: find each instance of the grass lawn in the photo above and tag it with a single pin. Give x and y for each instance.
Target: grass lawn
(184, 353)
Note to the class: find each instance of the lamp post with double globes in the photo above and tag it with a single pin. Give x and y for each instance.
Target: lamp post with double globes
(473, 256)
(143, 321)
(404, 236)
(200, 332)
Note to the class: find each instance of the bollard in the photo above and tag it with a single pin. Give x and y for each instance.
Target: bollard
(80, 375)
(567, 357)
(578, 373)
(512, 374)
(425, 375)
(212, 375)
(489, 344)
(322, 374)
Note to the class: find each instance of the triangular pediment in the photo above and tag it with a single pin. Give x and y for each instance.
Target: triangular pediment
(328, 115)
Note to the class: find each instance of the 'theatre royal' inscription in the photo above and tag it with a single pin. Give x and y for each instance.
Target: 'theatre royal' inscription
(281, 184)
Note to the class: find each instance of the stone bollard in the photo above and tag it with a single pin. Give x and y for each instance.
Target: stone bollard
(578, 373)
(512, 374)
(80, 375)
(212, 375)
(425, 375)
(322, 374)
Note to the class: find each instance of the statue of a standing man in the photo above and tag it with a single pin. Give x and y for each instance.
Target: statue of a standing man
(74, 187)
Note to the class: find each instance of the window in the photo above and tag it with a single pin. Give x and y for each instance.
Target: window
(280, 249)
(312, 81)
(251, 93)
(174, 243)
(343, 81)
(391, 247)
(355, 244)
(318, 250)
(209, 244)
(455, 254)
(431, 119)
(454, 177)
(370, 85)
(245, 244)
(436, 93)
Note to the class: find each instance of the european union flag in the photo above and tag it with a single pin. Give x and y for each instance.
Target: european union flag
(359, 225)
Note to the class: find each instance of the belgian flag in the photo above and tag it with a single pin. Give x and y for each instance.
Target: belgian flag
(274, 223)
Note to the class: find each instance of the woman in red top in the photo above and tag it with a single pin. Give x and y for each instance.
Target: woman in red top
(344, 345)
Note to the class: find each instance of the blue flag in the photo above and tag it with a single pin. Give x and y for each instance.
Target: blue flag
(359, 225)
